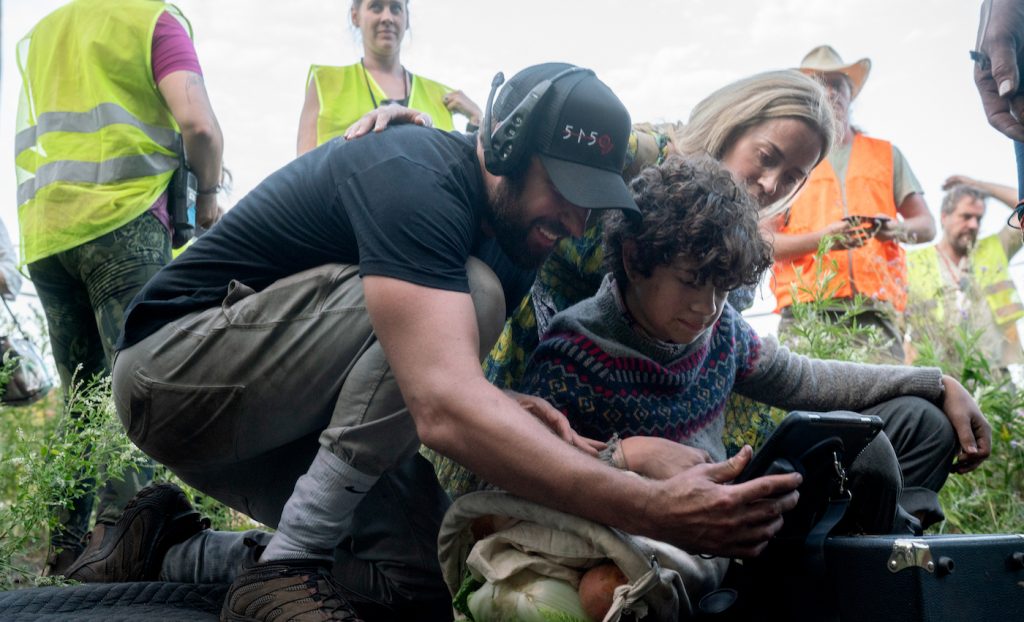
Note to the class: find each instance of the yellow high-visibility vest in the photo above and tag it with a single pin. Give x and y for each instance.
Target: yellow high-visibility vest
(990, 268)
(96, 144)
(345, 95)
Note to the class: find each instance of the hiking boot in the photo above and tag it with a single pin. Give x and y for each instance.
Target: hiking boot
(58, 563)
(297, 590)
(133, 549)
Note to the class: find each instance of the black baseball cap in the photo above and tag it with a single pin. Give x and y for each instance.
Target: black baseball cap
(581, 134)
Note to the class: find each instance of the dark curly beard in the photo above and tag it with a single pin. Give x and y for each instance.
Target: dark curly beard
(505, 215)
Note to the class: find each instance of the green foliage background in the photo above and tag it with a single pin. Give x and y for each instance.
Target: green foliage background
(987, 500)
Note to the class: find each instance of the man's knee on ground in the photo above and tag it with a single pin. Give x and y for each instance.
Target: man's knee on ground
(489, 302)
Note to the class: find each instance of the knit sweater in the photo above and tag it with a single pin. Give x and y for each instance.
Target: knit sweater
(597, 366)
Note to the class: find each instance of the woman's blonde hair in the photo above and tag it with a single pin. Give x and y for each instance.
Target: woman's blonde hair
(722, 117)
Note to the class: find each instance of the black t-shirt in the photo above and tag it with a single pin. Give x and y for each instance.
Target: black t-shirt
(405, 203)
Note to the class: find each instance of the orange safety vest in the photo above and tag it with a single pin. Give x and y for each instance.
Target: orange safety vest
(877, 269)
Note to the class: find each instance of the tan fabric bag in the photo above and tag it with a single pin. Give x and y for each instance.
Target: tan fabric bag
(665, 583)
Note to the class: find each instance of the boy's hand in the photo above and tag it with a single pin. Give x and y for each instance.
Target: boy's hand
(971, 427)
(659, 458)
(556, 422)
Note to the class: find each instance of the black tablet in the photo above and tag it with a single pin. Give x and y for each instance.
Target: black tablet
(803, 434)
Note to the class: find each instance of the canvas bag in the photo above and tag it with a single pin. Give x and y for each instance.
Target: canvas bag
(665, 583)
(29, 380)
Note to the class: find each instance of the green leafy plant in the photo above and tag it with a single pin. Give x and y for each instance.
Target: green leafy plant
(988, 500)
(51, 462)
(822, 327)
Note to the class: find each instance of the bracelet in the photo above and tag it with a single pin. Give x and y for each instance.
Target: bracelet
(208, 191)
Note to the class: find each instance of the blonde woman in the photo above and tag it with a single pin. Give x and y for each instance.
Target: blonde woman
(769, 130)
(338, 96)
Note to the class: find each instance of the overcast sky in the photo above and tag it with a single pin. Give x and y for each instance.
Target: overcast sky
(659, 56)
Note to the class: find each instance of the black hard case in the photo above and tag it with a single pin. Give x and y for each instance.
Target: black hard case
(953, 578)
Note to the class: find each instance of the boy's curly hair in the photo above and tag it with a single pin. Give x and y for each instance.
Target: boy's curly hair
(692, 208)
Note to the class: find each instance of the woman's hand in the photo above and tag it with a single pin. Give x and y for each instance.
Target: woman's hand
(457, 101)
(971, 427)
(207, 210)
(556, 422)
(379, 119)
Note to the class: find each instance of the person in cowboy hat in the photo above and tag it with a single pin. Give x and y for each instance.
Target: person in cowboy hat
(866, 200)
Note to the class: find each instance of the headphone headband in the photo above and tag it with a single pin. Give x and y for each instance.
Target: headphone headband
(506, 146)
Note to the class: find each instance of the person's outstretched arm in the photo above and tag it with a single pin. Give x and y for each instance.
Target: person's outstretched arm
(461, 415)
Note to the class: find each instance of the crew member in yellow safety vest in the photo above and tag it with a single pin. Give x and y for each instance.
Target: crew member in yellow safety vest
(336, 97)
(865, 198)
(110, 89)
(964, 281)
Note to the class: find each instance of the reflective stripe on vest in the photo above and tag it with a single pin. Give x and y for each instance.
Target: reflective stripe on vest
(91, 121)
(96, 144)
(990, 269)
(106, 172)
(344, 96)
(877, 269)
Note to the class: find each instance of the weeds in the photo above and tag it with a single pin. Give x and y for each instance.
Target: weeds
(988, 500)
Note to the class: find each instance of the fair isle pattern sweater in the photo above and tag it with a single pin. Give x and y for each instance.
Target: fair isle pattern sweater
(600, 369)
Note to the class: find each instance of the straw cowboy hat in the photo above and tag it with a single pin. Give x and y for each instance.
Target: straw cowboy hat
(824, 59)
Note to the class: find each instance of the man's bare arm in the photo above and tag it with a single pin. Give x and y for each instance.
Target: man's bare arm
(430, 339)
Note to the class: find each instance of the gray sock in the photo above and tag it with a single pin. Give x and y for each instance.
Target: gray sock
(209, 556)
(319, 512)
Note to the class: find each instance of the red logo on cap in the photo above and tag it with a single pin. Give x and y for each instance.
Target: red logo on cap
(589, 139)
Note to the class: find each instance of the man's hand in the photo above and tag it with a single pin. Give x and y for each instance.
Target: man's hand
(659, 458)
(700, 512)
(556, 422)
(891, 230)
(847, 234)
(959, 180)
(996, 70)
(970, 425)
(379, 119)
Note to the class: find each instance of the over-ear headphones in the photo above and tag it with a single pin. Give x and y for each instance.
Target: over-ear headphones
(506, 146)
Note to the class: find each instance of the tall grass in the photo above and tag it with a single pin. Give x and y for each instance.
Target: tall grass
(988, 500)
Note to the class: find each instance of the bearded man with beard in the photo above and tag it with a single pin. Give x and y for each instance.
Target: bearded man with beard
(964, 281)
(291, 362)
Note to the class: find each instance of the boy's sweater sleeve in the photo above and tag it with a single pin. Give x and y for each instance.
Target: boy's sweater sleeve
(792, 381)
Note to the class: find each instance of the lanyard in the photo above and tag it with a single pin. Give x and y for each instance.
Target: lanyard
(404, 101)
